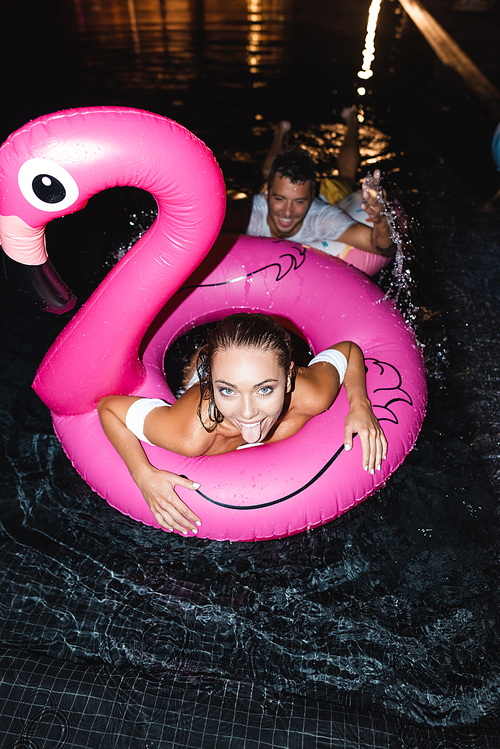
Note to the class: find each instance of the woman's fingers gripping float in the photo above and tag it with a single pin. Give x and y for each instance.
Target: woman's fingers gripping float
(167, 507)
(373, 442)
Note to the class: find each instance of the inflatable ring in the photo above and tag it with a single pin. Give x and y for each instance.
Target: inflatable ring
(117, 341)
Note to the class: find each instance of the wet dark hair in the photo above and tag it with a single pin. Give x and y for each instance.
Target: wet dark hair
(241, 330)
(296, 165)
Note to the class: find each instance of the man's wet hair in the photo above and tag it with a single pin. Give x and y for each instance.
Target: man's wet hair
(296, 165)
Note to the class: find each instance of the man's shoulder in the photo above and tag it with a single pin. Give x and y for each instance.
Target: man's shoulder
(323, 222)
(322, 214)
(259, 202)
(322, 206)
(257, 225)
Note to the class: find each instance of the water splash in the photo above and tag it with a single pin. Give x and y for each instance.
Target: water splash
(399, 280)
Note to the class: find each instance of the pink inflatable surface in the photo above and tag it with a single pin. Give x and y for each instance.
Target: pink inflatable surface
(117, 341)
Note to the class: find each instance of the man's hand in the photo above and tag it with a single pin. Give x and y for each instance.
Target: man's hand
(381, 232)
(371, 203)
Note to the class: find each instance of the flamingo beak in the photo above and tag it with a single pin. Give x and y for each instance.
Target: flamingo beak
(28, 268)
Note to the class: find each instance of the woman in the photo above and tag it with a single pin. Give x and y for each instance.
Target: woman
(249, 392)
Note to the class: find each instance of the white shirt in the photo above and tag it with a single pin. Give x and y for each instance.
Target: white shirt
(323, 222)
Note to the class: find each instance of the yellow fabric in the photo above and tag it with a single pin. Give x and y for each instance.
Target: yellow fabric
(334, 190)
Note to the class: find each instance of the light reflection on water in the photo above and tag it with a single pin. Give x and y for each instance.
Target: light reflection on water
(323, 143)
(155, 45)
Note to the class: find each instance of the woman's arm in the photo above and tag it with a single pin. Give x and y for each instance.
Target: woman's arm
(157, 486)
(360, 420)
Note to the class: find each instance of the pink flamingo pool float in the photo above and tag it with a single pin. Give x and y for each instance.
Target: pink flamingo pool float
(162, 287)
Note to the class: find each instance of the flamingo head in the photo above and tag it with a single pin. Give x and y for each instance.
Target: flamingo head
(42, 178)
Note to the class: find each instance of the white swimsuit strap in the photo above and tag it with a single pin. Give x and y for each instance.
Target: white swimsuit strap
(333, 357)
(194, 379)
(136, 414)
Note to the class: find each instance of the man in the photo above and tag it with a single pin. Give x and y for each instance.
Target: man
(288, 208)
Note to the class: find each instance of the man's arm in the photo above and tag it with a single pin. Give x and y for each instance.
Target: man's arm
(375, 240)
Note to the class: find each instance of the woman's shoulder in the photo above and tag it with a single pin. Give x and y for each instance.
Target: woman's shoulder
(314, 391)
(179, 428)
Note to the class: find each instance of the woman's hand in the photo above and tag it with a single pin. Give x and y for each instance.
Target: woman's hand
(169, 510)
(362, 421)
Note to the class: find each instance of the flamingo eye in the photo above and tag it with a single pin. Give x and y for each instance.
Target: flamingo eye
(47, 185)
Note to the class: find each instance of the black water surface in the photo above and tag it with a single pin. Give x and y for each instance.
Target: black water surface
(377, 630)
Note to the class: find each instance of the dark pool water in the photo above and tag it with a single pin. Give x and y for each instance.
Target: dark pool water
(380, 629)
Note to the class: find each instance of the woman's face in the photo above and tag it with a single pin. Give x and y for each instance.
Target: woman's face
(249, 389)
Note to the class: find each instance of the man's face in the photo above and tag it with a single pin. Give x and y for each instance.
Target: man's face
(288, 204)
